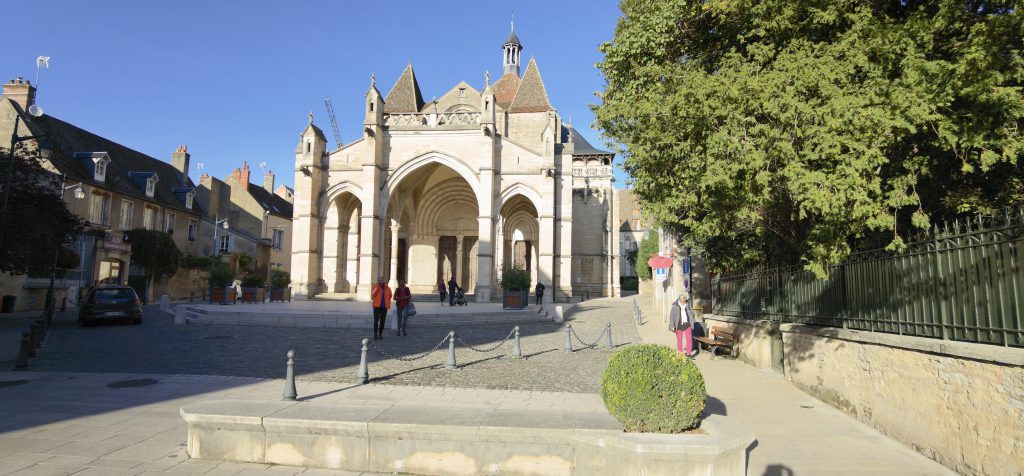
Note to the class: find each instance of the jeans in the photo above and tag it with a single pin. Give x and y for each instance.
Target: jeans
(379, 314)
(540, 297)
(443, 295)
(402, 313)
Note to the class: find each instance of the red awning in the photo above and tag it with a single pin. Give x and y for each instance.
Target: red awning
(660, 262)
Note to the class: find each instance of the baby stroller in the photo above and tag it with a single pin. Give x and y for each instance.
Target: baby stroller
(460, 297)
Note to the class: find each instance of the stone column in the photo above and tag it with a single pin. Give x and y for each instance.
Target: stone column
(484, 258)
(546, 247)
(341, 280)
(368, 256)
(393, 279)
(458, 261)
(331, 262)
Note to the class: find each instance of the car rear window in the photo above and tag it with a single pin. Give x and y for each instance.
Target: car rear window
(116, 293)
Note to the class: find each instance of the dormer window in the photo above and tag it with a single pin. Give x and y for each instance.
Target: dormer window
(100, 170)
(151, 185)
(188, 199)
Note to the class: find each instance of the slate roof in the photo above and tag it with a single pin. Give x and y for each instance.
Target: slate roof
(512, 39)
(580, 145)
(271, 202)
(405, 95)
(531, 96)
(68, 139)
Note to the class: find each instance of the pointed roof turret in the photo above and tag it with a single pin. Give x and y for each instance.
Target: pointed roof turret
(405, 95)
(531, 95)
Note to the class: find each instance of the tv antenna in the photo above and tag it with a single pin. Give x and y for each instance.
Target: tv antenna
(263, 165)
(200, 166)
(41, 62)
(334, 122)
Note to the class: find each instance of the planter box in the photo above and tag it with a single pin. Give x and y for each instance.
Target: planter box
(254, 294)
(281, 295)
(223, 296)
(516, 299)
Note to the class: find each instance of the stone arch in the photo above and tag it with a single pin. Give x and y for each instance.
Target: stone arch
(525, 191)
(334, 191)
(414, 164)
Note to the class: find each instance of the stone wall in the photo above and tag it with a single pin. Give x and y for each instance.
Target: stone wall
(960, 404)
(183, 284)
(752, 345)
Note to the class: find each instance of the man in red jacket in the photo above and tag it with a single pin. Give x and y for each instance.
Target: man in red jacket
(380, 296)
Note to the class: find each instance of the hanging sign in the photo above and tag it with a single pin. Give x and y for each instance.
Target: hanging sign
(660, 262)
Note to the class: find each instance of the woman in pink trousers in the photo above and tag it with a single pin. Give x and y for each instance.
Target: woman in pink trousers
(680, 321)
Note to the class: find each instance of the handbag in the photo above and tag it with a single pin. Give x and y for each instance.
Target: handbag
(411, 310)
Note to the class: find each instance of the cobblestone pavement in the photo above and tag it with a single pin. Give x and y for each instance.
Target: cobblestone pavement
(158, 346)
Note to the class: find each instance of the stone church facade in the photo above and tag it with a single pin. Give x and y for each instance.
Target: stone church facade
(460, 186)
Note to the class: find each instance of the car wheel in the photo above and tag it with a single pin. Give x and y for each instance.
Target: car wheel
(137, 321)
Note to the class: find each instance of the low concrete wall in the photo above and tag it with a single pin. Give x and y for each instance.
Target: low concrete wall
(455, 441)
(960, 404)
(753, 344)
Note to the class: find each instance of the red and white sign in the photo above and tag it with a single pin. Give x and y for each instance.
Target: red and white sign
(660, 262)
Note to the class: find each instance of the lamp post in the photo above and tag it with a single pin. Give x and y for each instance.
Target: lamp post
(216, 223)
(50, 304)
(45, 149)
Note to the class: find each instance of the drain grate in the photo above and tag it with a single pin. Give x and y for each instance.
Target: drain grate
(218, 337)
(12, 383)
(140, 382)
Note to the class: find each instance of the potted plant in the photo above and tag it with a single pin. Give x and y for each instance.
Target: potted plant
(515, 285)
(221, 277)
(253, 288)
(279, 281)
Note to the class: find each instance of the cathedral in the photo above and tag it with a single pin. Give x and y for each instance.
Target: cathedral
(460, 187)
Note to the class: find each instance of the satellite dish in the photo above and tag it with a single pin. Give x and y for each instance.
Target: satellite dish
(35, 111)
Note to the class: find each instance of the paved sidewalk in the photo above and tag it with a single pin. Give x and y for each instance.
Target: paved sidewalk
(114, 424)
(796, 434)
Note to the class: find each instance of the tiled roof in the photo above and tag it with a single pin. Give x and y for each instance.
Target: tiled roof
(505, 89)
(405, 94)
(68, 139)
(531, 96)
(271, 202)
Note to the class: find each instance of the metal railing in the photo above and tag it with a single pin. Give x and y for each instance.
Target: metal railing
(963, 282)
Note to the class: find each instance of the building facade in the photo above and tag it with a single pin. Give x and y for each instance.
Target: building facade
(460, 187)
(632, 230)
(253, 218)
(123, 190)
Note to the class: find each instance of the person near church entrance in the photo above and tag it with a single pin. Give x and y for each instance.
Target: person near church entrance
(452, 287)
(402, 298)
(380, 295)
(680, 321)
(441, 290)
(539, 291)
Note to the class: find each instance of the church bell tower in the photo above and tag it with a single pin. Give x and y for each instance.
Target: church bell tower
(511, 50)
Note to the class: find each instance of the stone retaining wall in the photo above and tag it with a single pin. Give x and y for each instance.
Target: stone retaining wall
(960, 404)
(753, 344)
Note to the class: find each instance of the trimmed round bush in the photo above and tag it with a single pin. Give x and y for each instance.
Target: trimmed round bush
(651, 388)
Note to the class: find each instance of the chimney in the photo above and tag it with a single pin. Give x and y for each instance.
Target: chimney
(242, 175)
(268, 181)
(179, 159)
(21, 91)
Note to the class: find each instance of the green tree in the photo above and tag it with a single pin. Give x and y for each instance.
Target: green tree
(156, 251)
(648, 248)
(37, 221)
(784, 130)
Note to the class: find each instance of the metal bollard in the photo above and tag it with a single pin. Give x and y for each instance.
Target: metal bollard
(37, 338)
(608, 336)
(517, 350)
(451, 350)
(363, 375)
(568, 338)
(31, 340)
(289, 378)
(22, 362)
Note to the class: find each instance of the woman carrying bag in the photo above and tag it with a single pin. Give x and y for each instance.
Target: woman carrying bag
(680, 321)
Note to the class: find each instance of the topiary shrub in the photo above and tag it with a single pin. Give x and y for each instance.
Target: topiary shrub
(651, 388)
(279, 278)
(514, 278)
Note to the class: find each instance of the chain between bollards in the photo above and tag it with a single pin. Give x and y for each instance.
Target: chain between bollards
(451, 350)
(289, 378)
(517, 350)
(568, 338)
(363, 375)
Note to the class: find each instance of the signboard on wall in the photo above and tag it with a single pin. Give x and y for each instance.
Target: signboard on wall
(660, 274)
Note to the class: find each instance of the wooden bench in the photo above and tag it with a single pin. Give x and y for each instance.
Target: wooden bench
(720, 339)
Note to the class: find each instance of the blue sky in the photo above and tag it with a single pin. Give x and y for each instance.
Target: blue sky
(235, 80)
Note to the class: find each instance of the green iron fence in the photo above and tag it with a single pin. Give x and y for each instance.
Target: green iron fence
(964, 282)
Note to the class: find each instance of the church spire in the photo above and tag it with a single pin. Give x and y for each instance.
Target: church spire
(511, 50)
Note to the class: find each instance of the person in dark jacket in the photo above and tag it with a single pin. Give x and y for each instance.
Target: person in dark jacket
(453, 287)
(539, 292)
(441, 290)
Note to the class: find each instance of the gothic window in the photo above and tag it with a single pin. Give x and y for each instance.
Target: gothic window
(192, 225)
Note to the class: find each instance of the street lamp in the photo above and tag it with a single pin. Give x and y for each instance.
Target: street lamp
(45, 150)
(217, 223)
(50, 304)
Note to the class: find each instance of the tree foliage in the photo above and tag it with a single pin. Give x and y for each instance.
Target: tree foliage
(782, 130)
(156, 251)
(648, 248)
(37, 221)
